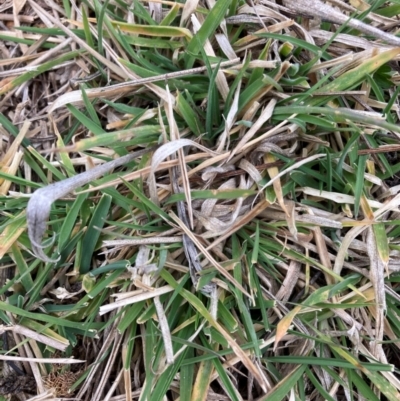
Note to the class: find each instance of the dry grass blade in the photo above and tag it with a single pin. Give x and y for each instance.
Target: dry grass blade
(264, 117)
(355, 231)
(57, 344)
(377, 279)
(127, 300)
(318, 9)
(273, 173)
(161, 154)
(120, 88)
(38, 209)
(224, 137)
(289, 283)
(142, 241)
(145, 172)
(241, 222)
(291, 168)
(220, 80)
(166, 334)
(174, 133)
(40, 360)
(45, 15)
(191, 247)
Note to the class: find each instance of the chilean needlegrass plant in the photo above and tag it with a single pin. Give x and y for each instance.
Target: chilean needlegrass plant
(199, 200)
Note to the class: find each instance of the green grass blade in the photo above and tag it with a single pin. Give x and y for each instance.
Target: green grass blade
(285, 385)
(93, 232)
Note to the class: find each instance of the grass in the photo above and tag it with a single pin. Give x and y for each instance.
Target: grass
(199, 200)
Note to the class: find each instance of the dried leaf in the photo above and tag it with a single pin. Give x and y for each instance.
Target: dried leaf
(161, 154)
(39, 205)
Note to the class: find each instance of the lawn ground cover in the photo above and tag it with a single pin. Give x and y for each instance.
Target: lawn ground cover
(199, 200)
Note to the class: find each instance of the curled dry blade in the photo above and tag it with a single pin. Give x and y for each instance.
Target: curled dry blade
(39, 205)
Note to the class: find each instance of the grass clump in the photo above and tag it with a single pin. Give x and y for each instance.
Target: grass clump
(199, 200)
